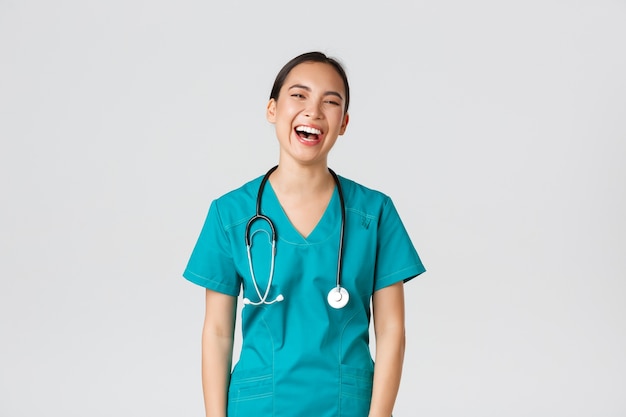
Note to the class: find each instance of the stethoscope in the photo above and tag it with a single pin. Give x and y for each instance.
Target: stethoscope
(338, 296)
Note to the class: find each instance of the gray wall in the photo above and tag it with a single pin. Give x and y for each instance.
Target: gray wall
(497, 128)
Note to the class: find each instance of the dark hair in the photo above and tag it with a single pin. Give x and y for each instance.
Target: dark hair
(310, 57)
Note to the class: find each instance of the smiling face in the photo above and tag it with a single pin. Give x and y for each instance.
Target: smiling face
(309, 113)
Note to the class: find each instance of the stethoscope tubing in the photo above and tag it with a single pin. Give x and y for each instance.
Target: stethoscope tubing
(258, 215)
(336, 295)
(343, 227)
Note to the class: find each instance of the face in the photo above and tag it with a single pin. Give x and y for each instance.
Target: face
(309, 113)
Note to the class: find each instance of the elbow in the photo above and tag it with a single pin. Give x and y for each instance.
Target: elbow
(393, 338)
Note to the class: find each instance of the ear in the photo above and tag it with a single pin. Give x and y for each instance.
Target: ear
(344, 125)
(270, 111)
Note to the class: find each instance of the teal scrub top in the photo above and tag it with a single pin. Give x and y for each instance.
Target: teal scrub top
(299, 356)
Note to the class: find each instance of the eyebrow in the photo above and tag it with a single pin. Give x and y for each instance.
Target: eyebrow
(327, 93)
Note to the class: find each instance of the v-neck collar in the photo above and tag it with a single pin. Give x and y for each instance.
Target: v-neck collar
(326, 227)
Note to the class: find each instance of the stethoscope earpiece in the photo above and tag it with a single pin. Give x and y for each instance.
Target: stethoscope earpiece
(337, 297)
(279, 298)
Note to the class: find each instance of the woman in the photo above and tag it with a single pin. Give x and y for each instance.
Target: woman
(338, 246)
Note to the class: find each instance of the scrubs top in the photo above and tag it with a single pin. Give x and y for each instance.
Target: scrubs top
(299, 356)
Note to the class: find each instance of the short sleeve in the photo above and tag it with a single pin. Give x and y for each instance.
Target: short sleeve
(211, 263)
(396, 260)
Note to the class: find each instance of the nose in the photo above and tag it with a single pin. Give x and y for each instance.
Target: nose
(313, 111)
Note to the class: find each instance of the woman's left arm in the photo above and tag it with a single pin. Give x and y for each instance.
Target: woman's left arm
(388, 309)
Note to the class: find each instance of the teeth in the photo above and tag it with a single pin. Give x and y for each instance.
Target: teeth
(310, 130)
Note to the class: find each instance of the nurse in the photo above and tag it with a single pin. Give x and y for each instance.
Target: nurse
(309, 250)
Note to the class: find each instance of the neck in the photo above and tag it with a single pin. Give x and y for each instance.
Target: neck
(299, 179)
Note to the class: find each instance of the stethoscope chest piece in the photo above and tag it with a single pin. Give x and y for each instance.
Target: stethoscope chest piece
(338, 297)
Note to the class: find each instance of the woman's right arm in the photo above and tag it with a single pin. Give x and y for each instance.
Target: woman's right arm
(217, 351)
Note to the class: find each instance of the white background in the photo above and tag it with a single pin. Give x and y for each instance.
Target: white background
(498, 128)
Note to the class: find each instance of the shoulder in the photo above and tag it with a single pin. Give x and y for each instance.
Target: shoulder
(238, 203)
(243, 192)
(361, 198)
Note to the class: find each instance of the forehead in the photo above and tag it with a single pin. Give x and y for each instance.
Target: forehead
(315, 75)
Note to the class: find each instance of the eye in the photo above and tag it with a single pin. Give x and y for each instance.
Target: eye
(297, 95)
(333, 102)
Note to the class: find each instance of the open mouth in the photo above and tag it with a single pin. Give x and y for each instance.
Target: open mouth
(308, 133)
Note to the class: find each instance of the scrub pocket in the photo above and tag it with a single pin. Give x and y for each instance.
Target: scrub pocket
(251, 393)
(356, 391)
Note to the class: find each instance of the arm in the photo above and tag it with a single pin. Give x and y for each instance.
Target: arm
(217, 351)
(388, 309)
